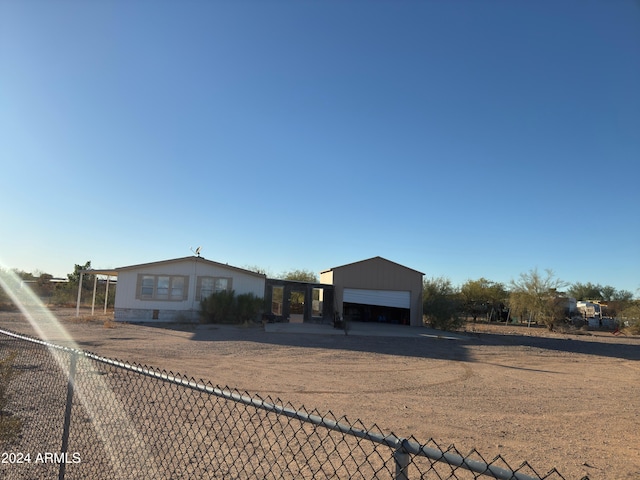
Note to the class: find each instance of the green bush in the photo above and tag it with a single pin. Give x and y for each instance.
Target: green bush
(248, 306)
(443, 313)
(226, 307)
(441, 304)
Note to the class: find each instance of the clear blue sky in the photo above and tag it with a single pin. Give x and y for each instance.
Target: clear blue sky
(460, 138)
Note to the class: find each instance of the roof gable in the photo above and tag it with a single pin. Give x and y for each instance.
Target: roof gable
(377, 259)
(190, 259)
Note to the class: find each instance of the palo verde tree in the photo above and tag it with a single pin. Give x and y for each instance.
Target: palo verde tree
(300, 275)
(482, 297)
(441, 303)
(537, 295)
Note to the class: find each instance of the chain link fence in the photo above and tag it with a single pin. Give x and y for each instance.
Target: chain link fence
(89, 417)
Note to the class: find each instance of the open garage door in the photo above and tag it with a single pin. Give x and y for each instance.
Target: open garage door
(386, 298)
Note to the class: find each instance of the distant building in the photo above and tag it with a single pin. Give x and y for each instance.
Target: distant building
(589, 309)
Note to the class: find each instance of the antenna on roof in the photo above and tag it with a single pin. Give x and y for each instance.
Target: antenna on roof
(196, 251)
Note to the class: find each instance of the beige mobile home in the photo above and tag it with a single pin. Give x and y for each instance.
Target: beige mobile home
(171, 290)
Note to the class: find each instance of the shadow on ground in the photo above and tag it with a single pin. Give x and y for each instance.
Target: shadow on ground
(427, 346)
(626, 348)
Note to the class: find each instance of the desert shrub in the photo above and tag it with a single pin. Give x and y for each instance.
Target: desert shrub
(441, 304)
(10, 426)
(218, 307)
(629, 319)
(633, 328)
(226, 307)
(443, 313)
(248, 306)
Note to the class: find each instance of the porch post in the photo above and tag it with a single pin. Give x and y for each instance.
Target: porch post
(79, 294)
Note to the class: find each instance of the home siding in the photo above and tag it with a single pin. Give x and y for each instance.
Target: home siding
(129, 308)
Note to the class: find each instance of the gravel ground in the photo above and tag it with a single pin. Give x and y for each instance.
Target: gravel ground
(554, 399)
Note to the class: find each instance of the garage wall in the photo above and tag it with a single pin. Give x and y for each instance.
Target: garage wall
(377, 274)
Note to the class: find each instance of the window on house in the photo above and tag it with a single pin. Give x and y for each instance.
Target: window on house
(209, 285)
(162, 287)
(148, 285)
(277, 297)
(221, 284)
(206, 287)
(177, 288)
(316, 303)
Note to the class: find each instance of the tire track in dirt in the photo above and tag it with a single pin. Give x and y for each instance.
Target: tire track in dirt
(465, 375)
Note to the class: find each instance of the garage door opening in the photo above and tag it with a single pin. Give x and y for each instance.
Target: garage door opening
(357, 312)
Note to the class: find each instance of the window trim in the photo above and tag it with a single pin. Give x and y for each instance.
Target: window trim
(144, 284)
(214, 278)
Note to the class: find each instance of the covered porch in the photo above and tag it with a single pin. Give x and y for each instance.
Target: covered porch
(102, 272)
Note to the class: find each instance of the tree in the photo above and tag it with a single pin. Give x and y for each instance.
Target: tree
(586, 291)
(300, 276)
(441, 304)
(74, 278)
(258, 269)
(608, 293)
(629, 318)
(618, 302)
(537, 295)
(44, 287)
(591, 291)
(66, 293)
(482, 296)
(622, 296)
(23, 275)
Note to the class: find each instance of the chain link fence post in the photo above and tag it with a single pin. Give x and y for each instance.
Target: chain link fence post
(67, 415)
(402, 460)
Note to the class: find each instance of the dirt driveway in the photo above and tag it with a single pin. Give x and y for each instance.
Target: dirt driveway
(555, 400)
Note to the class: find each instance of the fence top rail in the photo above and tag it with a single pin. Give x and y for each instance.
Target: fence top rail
(402, 445)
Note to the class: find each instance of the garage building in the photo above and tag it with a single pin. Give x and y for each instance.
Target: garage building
(377, 290)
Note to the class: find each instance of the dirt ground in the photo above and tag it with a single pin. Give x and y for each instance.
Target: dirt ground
(554, 399)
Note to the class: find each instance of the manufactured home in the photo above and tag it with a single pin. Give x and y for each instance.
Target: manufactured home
(171, 290)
